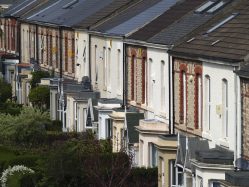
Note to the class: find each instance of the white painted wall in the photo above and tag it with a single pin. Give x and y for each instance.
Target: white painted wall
(216, 73)
(81, 54)
(107, 63)
(155, 108)
(103, 116)
(209, 174)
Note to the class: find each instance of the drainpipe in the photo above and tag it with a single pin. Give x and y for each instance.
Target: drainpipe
(61, 42)
(124, 75)
(19, 40)
(173, 95)
(61, 84)
(236, 121)
(37, 44)
(89, 57)
(169, 72)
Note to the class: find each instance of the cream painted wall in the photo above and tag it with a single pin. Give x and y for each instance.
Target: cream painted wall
(166, 156)
(25, 43)
(144, 150)
(216, 73)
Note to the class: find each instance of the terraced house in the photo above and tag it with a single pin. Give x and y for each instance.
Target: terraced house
(165, 80)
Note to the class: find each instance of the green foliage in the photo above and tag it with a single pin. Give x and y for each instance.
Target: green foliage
(37, 76)
(5, 91)
(56, 125)
(40, 97)
(146, 177)
(11, 108)
(26, 129)
(28, 180)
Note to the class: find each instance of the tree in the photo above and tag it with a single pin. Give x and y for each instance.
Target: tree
(5, 91)
(40, 97)
(37, 76)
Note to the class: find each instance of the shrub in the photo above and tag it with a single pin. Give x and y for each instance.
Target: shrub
(37, 76)
(40, 97)
(146, 177)
(56, 125)
(5, 91)
(28, 180)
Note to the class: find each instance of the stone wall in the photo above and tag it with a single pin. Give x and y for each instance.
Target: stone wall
(136, 58)
(245, 117)
(192, 69)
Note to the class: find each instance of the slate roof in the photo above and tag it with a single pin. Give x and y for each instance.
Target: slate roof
(21, 8)
(237, 178)
(167, 18)
(132, 120)
(114, 7)
(80, 10)
(135, 17)
(187, 24)
(225, 38)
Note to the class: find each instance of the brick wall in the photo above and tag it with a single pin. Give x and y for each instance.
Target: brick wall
(136, 59)
(191, 69)
(245, 117)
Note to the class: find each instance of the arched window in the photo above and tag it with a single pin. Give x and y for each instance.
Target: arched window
(133, 77)
(150, 83)
(198, 101)
(183, 97)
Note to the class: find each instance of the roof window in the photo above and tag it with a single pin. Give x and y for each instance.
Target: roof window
(204, 6)
(70, 4)
(216, 7)
(222, 23)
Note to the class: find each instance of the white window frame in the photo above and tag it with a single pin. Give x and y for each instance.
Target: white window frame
(119, 79)
(104, 68)
(208, 101)
(141, 150)
(163, 86)
(109, 65)
(184, 82)
(150, 102)
(225, 107)
(199, 89)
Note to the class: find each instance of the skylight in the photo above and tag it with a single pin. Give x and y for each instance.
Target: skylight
(216, 7)
(222, 23)
(68, 5)
(204, 6)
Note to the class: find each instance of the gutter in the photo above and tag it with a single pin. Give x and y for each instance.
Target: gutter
(147, 44)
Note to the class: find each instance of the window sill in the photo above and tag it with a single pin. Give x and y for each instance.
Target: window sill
(206, 135)
(224, 142)
(162, 114)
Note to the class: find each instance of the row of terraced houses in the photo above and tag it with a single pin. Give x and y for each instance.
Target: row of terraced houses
(165, 80)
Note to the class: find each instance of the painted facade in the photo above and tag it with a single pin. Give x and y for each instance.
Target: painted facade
(107, 66)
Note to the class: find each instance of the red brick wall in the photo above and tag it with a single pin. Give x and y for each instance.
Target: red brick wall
(136, 68)
(192, 69)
